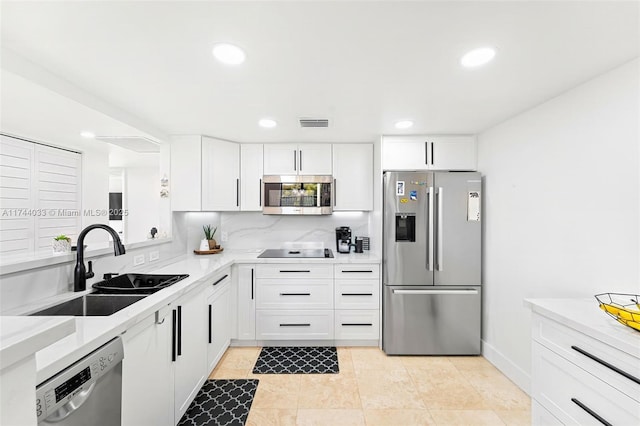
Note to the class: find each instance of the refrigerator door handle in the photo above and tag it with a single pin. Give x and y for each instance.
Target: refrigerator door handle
(430, 235)
(451, 291)
(439, 232)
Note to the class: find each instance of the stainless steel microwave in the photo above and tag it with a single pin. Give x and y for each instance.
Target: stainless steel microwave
(312, 195)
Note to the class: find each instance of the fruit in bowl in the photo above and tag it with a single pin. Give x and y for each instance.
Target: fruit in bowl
(624, 308)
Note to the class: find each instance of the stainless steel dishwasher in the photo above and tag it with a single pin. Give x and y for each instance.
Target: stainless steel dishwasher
(88, 392)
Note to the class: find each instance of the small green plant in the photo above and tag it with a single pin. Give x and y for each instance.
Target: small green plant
(208, 233)
(62, 237)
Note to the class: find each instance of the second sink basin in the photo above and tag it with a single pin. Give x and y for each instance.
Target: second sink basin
(91, 305)
(137, 283)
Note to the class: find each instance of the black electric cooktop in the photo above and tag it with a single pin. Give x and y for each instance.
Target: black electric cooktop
(296, 253)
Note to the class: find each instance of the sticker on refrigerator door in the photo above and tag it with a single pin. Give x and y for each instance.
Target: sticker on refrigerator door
(404, 200)
(400, 188)
(473, 206)
(413, 195)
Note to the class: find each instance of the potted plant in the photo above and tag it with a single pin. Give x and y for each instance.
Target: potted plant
(208, 234)
(61, 244)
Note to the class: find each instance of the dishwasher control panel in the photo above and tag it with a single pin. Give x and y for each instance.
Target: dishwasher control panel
(76, 381)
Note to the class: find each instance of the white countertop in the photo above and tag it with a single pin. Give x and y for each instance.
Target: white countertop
(585, 316)
(92, 332)
(24, 336)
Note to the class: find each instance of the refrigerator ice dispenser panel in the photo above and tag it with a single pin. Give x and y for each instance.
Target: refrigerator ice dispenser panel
(406, 227)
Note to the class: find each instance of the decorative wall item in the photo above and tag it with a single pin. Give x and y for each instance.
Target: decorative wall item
(164, 184)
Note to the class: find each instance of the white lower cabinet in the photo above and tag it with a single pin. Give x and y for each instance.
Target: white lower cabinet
(577, 379)
(190, 365)
(147, 373)
(294, 324)
(357, 301)
(246, 301)
(357, 324)
(219, 320)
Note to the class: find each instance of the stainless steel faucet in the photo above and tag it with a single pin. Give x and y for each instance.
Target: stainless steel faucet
(80, 274)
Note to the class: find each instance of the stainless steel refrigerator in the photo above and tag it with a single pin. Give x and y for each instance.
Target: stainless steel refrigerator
(431, 263)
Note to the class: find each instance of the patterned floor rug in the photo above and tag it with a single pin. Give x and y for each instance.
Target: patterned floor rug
(297, 360)
(221, 403)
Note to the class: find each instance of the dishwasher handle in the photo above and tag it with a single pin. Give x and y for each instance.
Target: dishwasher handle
(74, 404)
(435, 292)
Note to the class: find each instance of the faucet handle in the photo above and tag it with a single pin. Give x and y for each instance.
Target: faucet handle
(90, 273)
(109, 275)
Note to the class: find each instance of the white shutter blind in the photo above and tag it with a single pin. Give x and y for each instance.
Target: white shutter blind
(16, 197)
(40, 194)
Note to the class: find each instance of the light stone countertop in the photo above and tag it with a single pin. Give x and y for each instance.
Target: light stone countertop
(585, 316)
(93, 332)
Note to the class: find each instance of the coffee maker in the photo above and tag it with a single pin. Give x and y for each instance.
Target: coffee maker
(343, 239)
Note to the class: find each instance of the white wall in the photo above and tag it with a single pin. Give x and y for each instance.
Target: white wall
(561, 211)
(142, 193)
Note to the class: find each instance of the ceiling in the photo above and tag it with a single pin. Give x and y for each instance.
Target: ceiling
(362, 64)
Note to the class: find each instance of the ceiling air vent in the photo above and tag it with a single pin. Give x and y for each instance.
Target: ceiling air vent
(314, 122)
(133, 143)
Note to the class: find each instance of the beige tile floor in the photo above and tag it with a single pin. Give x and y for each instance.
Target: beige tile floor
(375, 389)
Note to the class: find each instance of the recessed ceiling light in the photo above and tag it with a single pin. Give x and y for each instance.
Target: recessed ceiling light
(267, 122)
(88, 135)
(404, 124)
(228, 53)
(478, 57)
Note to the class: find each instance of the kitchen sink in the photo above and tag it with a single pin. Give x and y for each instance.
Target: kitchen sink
(91, 305)
(137, 283)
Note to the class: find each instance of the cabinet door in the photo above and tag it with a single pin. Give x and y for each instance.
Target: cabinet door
(281, 159)
(220, 175)
(404, 153)
(452, 152)
(353, 176)
(251, 171)
(191, 356)
(219, 324)
(186, 168)
(246, 310)
(314, 159)
(147, 370)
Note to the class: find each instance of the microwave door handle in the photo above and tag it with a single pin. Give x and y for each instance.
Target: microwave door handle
(335, 194)
(260, 189)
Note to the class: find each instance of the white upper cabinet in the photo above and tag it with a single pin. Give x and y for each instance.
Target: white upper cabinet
(251, 171)
(353, 176)
(220, 175)
(205, 174)
(297, 159)
(429, 152)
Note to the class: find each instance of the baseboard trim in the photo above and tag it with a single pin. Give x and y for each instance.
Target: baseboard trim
(516, 374)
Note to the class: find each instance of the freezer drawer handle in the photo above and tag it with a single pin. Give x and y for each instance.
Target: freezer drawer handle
(295, 325)
(295, 294)
(364, 324)
(591, 412)
(301, 270)
(355, 271)
(606, 364)
(467, 291)
(357, 294)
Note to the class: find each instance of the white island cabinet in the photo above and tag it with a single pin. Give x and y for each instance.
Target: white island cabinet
(585, 366)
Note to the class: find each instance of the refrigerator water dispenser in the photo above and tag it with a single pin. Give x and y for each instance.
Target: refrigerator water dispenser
(406, 227)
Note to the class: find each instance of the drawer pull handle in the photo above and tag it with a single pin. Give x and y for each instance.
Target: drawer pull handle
(591, 412)
(294, 270)
(357, 294)
(606, 364)
(364, 324)
(295, 325)
(295, 294)
(220, 280)
(362, 271)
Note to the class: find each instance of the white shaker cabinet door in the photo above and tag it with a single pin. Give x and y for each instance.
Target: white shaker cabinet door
(251, 172)
(220, 175)
(281, 159)
(314, 159)
(246, 308)
(353, 177)
(452, 152)
(219, 324)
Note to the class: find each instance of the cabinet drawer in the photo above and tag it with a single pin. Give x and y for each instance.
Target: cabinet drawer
(580, 349)
(292, 270)
(357, 294)
(540, 416)
(357, 324)
(294, 294)
(562, 387)
(294, 325)
(357, 271)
